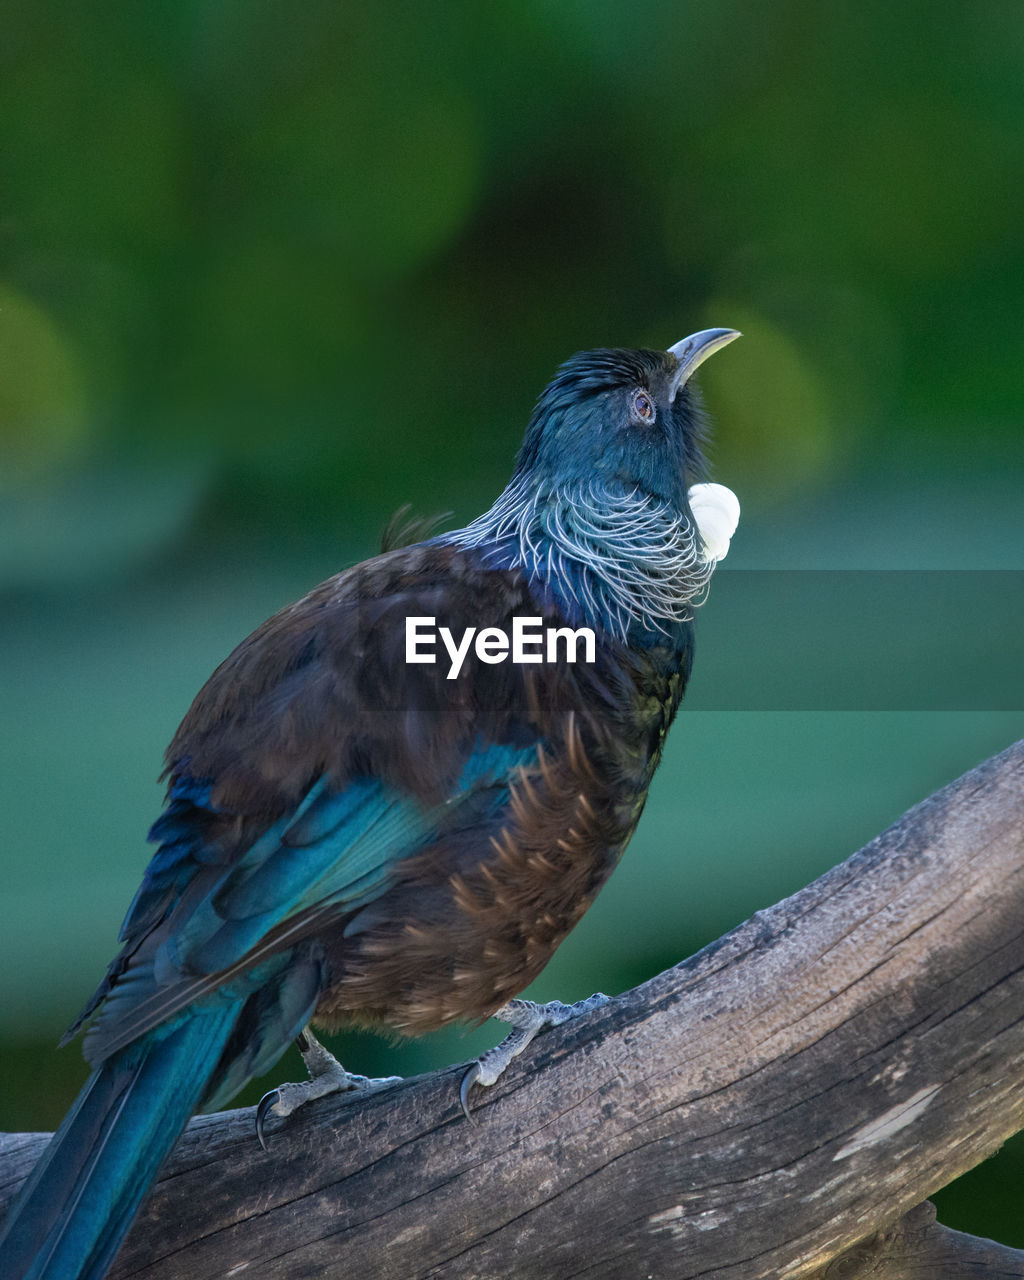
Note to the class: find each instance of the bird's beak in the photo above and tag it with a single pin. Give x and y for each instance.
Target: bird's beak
(694, 350)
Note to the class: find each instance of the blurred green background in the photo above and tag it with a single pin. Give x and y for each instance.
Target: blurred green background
(267, 272)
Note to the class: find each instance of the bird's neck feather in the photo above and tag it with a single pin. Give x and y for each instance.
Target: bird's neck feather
(611, 557)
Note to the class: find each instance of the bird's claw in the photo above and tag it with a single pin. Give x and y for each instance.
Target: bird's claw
(327, 1076)
(266, 1106)
(468, 1081)
(526, 1019)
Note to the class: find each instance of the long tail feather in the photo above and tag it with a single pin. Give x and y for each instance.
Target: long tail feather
(82, 1196)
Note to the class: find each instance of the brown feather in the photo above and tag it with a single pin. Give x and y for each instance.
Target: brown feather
(465, 930)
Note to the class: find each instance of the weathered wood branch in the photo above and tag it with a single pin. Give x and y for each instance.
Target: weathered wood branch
(779, 1105)
(919, 1248)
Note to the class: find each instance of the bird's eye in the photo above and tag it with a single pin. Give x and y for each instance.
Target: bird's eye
(643, 406)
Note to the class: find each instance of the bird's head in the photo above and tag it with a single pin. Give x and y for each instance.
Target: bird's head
(602, 513)
(627, 418)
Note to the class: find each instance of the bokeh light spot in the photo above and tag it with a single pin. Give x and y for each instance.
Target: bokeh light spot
(44, 411)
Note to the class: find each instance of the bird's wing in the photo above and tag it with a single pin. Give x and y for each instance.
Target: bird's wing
(313, 760)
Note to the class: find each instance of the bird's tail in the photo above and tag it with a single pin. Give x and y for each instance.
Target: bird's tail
(82, 1196)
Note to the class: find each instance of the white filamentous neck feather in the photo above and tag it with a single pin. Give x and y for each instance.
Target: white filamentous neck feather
(623, 556)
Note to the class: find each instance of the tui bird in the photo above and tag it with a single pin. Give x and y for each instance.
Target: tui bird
(356, 834)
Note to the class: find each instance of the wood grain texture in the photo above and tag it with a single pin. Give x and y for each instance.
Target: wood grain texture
(798, 1087)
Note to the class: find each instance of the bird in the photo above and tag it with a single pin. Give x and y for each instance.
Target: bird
(355, 836)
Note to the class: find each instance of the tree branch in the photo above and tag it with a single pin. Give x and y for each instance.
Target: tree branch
(796, 1088)
(918, 1247)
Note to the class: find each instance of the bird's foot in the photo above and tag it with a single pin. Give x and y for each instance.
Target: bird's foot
(326, 1076)
(527, 1018)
